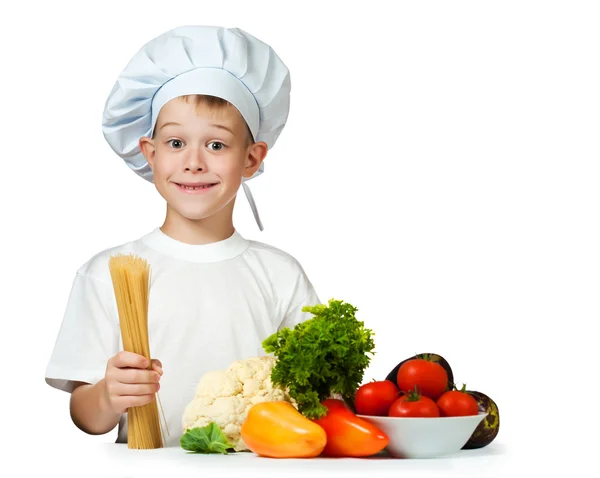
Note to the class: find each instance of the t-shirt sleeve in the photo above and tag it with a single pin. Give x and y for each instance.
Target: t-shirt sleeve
(88, 336)
(303, 293)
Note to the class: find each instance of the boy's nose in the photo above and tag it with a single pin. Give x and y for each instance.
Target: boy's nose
(195, 161)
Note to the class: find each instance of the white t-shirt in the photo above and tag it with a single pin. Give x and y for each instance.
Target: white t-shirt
(208, 306)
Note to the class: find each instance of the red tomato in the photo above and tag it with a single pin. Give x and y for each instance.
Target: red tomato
(414, 405)
(376, 398)
(430, 377)
(347, 434)
(457, 403)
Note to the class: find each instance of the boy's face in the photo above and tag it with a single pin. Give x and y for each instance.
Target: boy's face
(198, 164)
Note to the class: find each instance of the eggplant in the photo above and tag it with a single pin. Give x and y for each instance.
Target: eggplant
(489, 427)
(393, 375)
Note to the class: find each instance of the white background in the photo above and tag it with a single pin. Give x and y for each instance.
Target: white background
(439, 170)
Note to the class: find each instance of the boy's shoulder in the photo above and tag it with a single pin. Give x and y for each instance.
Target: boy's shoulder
(276, 257)
(97, 265)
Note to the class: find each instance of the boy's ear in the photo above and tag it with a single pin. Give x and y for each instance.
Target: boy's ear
(256, 155)
(147, 147)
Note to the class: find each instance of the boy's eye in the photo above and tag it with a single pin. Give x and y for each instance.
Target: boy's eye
(216, 145)
(175, 141)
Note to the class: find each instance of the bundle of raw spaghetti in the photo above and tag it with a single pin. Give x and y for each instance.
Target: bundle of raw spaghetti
(130, 278)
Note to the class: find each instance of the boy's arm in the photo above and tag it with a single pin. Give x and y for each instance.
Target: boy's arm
(90, 408)
(87, 339)
(96, 411)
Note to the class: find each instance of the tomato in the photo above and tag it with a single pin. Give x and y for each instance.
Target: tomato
(347, 434)
(457, 403)
(430, 377)
(414, 404)
(375, 398)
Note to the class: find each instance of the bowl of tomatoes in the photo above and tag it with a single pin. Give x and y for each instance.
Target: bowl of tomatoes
(421, 413)
(413, 437)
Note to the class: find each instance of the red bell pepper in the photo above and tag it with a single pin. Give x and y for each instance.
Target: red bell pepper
(347, 434)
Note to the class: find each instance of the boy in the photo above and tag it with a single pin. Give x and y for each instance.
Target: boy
(195, 112)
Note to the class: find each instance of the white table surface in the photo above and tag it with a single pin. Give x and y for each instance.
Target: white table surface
(116, 460)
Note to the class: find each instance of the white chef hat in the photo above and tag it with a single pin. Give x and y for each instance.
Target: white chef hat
(191, 59)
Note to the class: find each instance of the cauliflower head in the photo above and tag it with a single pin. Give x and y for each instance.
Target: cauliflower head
(225, 397)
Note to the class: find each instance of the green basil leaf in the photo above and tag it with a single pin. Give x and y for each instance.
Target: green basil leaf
(208, 439)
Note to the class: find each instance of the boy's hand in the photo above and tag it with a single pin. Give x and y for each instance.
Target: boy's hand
(129, 382)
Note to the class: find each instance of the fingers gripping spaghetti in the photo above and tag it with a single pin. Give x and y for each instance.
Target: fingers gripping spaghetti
(130, 277)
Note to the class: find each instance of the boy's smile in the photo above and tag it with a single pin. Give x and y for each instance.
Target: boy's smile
(196, 188)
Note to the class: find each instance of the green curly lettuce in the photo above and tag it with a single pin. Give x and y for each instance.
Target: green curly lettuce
(324, 355)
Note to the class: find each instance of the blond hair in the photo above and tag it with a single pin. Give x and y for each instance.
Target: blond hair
(213, 103)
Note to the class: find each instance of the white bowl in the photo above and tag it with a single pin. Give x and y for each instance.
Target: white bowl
(426, 437)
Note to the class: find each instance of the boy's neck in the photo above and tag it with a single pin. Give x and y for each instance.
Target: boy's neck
(203, 231)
